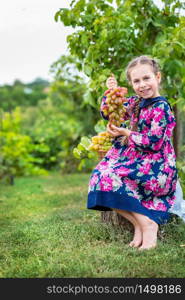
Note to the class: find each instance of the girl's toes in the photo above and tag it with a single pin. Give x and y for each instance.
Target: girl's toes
(131, 244)
(135, 244)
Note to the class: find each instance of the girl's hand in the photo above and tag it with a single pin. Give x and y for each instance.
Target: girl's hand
(111, 82)
(116, 131)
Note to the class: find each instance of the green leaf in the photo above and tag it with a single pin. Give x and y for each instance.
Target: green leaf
(122, 76)
(77, 153)
(102, 78)
(81, 148)
(100, 126)
(104, 34)
(91, 155)
(84, 40)
(57, 15)
(183, 169)
(85, 141)
(180, 44)
(87, 70)
(89, 99)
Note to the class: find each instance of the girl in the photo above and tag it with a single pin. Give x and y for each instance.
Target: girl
(137, 177)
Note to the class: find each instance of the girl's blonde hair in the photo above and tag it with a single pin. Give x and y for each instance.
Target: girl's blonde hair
(143, 60)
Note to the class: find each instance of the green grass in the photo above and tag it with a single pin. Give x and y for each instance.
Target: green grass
(46, 231)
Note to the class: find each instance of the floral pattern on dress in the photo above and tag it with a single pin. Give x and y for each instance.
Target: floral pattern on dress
(145, 169)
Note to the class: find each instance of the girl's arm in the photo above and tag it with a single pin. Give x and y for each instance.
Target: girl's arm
(157, 128)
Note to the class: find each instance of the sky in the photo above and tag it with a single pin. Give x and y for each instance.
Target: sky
(30, 39)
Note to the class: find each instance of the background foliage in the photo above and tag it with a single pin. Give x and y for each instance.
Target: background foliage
(52, 118)
(108, 34)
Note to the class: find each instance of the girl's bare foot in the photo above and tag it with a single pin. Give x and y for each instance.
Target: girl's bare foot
(149, 235)
(137, 240)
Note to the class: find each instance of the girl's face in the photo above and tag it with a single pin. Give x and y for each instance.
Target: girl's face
(144, 81)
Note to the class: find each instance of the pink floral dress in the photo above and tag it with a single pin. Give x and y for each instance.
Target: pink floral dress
(140, 176)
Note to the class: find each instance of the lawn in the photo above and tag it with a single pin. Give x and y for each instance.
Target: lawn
(46, 231)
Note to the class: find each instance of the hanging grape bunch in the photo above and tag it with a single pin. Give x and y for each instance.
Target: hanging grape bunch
(114, 110)
(115, 97)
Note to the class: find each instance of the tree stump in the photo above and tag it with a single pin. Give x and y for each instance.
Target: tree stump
(111, 217)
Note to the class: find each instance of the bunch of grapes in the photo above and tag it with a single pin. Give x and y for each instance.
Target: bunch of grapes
(101, 142)
(113, 108)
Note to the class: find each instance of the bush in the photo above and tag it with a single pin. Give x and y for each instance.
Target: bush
(16, 148)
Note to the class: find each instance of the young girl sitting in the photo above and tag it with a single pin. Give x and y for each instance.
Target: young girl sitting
(138, 175)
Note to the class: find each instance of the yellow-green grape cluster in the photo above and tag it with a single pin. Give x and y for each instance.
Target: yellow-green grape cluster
(113, 107)
(101, 142)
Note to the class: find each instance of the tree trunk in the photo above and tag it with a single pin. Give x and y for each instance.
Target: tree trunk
(111, 217)
(11, 179)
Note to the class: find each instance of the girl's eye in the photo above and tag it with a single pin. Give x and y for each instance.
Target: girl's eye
(146, 78)
(136, 81)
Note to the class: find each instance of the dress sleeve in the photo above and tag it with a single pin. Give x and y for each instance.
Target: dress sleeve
(128, 105)
(159, 125)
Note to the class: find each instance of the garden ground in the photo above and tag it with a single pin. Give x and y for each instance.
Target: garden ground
(46, 231)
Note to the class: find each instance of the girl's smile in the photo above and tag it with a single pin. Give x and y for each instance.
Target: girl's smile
(144, 81)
